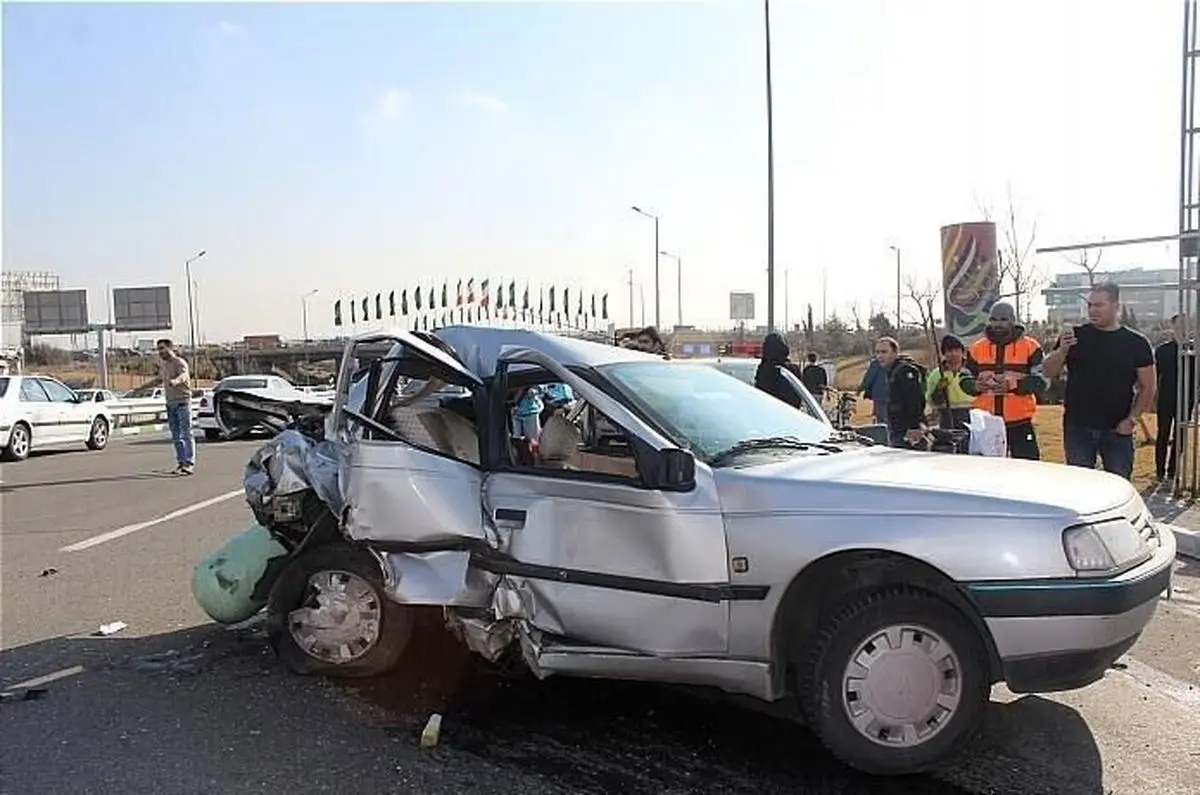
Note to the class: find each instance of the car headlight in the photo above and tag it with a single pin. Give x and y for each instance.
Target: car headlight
(1105, 547)
(287, 508)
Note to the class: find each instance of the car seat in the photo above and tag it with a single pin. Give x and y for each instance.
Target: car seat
(559, 444)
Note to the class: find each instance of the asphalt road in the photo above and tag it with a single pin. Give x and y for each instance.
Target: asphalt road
(175, 704)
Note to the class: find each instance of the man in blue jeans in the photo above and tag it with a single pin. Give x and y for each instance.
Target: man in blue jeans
(1106, 364)
(177, 387)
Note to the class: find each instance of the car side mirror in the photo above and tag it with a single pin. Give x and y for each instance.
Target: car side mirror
(676, 470)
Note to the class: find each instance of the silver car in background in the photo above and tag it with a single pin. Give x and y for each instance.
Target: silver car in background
(681, 526)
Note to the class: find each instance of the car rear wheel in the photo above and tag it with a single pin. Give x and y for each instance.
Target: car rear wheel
(895, 681)
(328, 615)
(18, 443)
(98, 438)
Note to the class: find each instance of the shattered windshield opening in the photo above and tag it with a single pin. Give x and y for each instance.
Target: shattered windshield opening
(709, 411)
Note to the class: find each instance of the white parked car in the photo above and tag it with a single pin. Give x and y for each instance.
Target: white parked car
(95, 395)
(269, 387)
(37, 411)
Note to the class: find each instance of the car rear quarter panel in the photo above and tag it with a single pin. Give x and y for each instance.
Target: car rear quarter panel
(779, 546)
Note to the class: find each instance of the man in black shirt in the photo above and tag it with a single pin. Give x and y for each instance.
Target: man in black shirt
(1166, 360)
(1105, 362)
(815, 379)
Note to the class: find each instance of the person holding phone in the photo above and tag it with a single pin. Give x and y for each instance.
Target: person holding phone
(1107, 364)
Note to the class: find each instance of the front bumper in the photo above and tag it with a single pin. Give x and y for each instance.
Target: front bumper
(1061, 634)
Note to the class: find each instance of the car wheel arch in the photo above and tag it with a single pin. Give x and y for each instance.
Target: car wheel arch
(830, 581)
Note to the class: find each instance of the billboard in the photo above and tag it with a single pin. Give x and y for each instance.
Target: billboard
(970, 277)
(142, 308)
(741, 306)
(56, 312)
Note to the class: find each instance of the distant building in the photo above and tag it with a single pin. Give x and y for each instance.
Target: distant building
(1152, 296)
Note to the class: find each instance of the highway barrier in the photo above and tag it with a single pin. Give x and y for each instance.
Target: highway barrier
(127, 412)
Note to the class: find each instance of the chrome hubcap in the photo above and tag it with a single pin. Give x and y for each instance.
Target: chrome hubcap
(339, 620)
(100, 432)
(19, 442)
(902, 686)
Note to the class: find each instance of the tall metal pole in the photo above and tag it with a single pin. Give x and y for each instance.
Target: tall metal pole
(824, 296)
(1185, 453)
(770, 176)
(631, 297)
(678, 283)
(679, 288)
(897, 250)
(657, 291)
(787, 294)
(657, 285)
(199, 330)
(187, 272)
(304, 311)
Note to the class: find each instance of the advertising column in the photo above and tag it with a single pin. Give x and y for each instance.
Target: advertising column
(970, 277)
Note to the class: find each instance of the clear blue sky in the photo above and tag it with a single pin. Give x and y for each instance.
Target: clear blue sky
(362, 148)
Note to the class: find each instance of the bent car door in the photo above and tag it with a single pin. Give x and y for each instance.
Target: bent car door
(410, 475)
(594, 557)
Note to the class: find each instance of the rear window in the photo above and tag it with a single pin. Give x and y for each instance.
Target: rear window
(244, 383)
(3, 387)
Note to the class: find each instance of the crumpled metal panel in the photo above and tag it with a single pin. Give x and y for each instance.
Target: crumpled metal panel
(289, 463)
(398, 493)
(437, 578)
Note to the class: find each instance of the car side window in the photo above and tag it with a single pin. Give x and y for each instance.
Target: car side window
(434, 418)
(57, 392)
(32, 392)
(547, 436)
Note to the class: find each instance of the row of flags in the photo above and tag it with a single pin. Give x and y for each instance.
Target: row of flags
(553, 307)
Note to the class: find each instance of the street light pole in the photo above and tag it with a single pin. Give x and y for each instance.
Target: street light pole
(304, 311)
(770, 176)
(897, 250)
(187, 272)
(631, 297)
(657, 288)
(678, 284)
(199, 330)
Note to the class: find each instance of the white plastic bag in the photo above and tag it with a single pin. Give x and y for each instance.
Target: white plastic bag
(988, 435)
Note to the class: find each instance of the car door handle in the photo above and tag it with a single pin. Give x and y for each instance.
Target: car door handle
(511, 516)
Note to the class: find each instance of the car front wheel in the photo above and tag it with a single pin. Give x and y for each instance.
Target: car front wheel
(98, 438)
(328, 615)
(18, 443)
(212, 435)
(895, 681)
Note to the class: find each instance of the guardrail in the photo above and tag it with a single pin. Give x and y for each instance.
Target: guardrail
(141, 411)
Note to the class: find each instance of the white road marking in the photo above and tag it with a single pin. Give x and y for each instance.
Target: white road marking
(112, 535)
(47, 679)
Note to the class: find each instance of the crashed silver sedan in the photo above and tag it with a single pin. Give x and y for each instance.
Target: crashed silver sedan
(674, 524)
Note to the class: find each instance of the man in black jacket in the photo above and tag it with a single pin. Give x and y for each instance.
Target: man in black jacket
(815, 379)
(906, 394)
(768, 377)
(1166, 360)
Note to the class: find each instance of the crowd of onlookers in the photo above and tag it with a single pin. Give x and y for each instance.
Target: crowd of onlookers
(1113, 377)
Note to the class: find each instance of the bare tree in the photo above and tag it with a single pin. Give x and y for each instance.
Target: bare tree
(1014, 249)
(856, 316)
(925, 297)
(1089, 265)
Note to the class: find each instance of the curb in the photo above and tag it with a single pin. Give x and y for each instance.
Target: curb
(137, 430)
(1187, 543)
